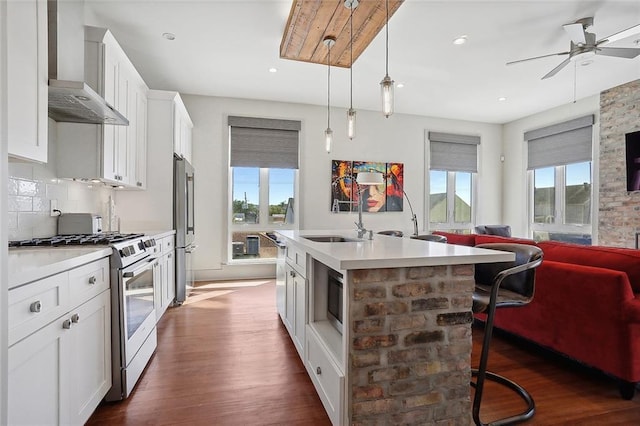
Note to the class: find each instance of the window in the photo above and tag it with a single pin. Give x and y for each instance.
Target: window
(450, 200)
(453, 164)
(560, 176)
(262, 185)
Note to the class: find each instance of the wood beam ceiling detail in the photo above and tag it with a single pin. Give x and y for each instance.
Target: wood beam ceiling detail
(310, 21)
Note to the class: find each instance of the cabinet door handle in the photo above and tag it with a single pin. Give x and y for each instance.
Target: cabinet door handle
(66, 324)
(75, 318)
(93, 279)
(35, 306)
(169, 255)
(318, 371)
(293, 274)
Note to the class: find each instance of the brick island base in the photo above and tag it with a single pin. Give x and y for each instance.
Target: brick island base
(410, 345)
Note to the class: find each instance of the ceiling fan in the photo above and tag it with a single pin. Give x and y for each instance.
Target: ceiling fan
(584, 44)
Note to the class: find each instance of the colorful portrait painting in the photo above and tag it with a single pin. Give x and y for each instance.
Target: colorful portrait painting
(386, 197)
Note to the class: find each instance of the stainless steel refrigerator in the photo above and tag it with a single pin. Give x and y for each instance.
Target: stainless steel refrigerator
(184, 224)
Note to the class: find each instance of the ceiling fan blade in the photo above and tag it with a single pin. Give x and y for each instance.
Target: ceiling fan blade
(620, 35)
(576, 32)
(620, 52)
(556, 69)
(537, 57)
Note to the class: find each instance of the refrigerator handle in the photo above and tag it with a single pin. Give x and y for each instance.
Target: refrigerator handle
(191, 220)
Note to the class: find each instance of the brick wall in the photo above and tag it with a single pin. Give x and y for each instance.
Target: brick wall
(619, 210)
(410, 345)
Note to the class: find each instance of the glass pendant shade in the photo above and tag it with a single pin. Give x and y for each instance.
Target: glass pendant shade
(351, 123)
(370, 178)
(386, 87)
(328, 139)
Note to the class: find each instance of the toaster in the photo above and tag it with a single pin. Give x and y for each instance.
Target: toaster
(79, 223)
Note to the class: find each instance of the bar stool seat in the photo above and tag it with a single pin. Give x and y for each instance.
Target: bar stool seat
(502, 285)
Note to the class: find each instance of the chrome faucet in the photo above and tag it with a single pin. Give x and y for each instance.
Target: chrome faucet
(359, 225)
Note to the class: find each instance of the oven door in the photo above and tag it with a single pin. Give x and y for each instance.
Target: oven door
(138, 307)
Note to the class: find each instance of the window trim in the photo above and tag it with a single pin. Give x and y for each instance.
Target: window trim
(559, 209)
(451, 224)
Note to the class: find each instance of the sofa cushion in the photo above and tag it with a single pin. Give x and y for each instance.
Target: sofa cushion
(459, 239)
(619, 259)
(484, 239)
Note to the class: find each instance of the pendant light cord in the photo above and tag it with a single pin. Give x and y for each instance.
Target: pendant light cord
(351, 60)
(329, 86)
(387, 41)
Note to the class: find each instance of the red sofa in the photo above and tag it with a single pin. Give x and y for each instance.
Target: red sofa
(586, 305)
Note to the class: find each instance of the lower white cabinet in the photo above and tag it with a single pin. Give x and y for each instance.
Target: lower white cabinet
(59, 356)
(164, 278)
(295, 312)
(60, 373)
(327, 378)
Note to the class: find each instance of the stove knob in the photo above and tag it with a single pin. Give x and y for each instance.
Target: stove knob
(132, 250)
(122, 253)
(141, 245)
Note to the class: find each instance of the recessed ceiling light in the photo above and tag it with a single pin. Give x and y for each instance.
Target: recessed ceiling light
(169, 36)
(502, 99)
(460, 40)
(587, 62)
(400, 85)
(272, 69)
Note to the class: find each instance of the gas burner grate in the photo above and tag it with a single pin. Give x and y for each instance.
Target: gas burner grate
(75, 240)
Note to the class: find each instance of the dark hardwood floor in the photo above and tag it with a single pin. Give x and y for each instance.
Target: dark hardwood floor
(224, 358)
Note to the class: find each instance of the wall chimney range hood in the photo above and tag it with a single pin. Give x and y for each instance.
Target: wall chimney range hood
(70, 98)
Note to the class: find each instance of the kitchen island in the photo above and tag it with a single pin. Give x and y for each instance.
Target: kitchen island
(401, 352)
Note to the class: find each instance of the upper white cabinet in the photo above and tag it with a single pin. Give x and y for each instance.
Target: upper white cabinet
(27, 72)
(182, 130)
(110, 153)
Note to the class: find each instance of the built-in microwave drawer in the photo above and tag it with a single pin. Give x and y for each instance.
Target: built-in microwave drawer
(297, 258)
(326, 377)
(34, 305)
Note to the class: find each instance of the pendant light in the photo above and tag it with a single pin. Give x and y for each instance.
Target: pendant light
(386, 85)
(329, 41)
(351, 113)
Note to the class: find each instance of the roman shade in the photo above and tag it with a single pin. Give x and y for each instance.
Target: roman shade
(454, 153)
(560, 144)
(263, 142)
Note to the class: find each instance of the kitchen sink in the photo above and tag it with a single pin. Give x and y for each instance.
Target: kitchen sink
(331, 239)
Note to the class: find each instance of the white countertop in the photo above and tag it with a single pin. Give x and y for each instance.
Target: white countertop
(388, 252)
(27, 264)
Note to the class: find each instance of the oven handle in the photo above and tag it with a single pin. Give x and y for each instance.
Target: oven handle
(132, 271)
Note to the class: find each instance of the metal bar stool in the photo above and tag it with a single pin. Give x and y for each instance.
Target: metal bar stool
(502, 285)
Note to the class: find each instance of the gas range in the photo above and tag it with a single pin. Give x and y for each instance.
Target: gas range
(127, 248)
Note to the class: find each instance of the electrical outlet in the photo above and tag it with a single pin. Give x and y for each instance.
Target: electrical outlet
(53, 208)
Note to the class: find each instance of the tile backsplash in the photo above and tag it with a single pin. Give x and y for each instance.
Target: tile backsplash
(32, 186)
(31, 189)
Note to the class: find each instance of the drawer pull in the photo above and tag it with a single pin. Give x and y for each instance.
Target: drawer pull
(66, 324)
(35, 306)
(93, 280)
(75, 318)
(318, 371)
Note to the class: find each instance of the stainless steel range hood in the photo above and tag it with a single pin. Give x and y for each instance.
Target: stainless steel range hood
(70, 98)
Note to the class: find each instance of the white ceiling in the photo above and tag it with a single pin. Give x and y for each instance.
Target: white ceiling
(225, 48)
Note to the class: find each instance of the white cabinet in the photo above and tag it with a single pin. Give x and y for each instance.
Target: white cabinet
(294, 314)
(165, 286)
(27, 72)
(326, 376)
(59, 373)
(182, 144)
(110, 153)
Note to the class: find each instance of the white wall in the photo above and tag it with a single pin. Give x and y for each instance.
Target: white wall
(516, 192)
(400, 138)
(4, 277)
